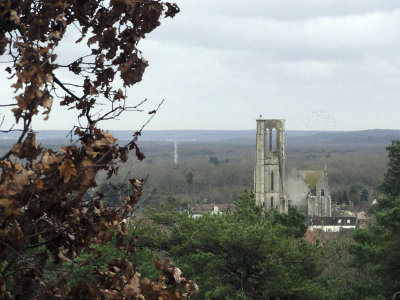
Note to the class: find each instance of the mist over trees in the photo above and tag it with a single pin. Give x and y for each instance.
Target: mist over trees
(348, 170)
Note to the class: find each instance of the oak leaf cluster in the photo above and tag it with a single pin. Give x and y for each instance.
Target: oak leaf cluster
(45, 213)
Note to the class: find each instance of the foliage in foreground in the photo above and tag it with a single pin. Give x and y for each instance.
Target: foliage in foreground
(245, 254)
(44, 214)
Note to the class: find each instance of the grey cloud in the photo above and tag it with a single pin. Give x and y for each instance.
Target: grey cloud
(289, 9)
(220, 64)
(343, 37)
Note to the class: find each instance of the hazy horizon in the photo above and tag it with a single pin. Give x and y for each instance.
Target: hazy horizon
(217, 129)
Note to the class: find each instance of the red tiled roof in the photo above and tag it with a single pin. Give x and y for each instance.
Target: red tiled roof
(322, 237)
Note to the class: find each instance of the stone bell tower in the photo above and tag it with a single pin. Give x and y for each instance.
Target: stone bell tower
(269, 172)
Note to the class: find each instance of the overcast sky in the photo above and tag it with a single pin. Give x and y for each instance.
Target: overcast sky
(321, 65)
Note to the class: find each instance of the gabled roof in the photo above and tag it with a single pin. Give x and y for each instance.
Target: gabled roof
(312, 177)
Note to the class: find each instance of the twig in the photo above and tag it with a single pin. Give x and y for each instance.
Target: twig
(61, 85)
(19, 255)
(61, 278)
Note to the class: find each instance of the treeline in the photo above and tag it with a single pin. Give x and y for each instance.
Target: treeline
(218, 172)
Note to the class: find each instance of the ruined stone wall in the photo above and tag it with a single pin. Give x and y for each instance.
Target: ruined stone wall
(297, 191)
(269, 172)
(273, 189)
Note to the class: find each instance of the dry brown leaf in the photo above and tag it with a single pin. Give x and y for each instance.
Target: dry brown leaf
(67, 169)
(177, 274)
(89, 151)
(47, 103)
(17, 149)
(54, 35)
(17, 85)
(63, 257)
(14, 17)
(52, 195)
(10, 207)
(192, 288)
(48, 159)
(44, 50)
(18, 167)
(107, 140)
(132, 288)
(39, 184)
(86, 162)
(16, 183)
(29, 149)
(59, 3)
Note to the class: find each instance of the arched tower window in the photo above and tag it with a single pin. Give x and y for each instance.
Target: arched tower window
(272, 181)
(267, 137)
(272, 146)
(272, 202)
(322, 192)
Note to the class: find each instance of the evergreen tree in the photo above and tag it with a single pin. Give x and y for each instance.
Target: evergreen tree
(377, 248)
(364, 196)
(189, 178)
(345, 198)
(214, 160)
(391, 184)
(249, 253)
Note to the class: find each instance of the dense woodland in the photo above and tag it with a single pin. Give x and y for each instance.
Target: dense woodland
(218, 172)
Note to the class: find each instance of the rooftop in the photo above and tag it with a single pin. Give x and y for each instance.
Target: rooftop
(332, 221)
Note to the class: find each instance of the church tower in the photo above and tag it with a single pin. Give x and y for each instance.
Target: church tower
(269, 172)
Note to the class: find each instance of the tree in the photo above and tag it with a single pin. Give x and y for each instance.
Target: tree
(189, 181)
(364, 196)
(391, 183)
(44, 215)
(189, 178)
(354, 193)
(345, 198)
(249, 253)
(214, 160)
(376, 250)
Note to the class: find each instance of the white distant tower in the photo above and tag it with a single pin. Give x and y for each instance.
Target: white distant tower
(176, 154)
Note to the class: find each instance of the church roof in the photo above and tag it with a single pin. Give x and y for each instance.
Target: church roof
(312, 177)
